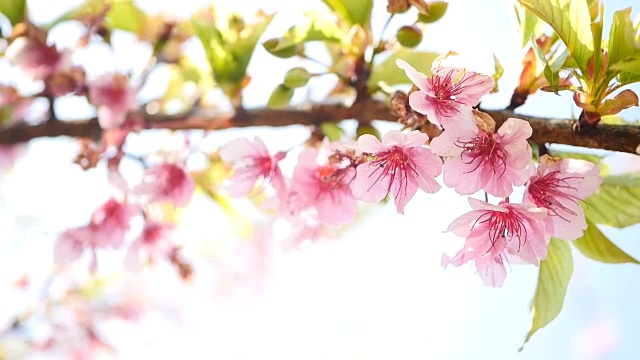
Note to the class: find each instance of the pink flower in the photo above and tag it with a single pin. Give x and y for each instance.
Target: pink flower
(559, 185)
(398, 165)
(448, 95)
(252, 163)
(35, 58)
(114, 97)
(166, 183)
(493, 231)
(154, 243)
(108, 226)
(479, 159)
(9, 154)
(323, 185)
(13, 107)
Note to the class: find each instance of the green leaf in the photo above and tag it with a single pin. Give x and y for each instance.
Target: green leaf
(352, 11)
(229, 44)
(14, 10)
(553, 280)
(387, 71)
(316, 27)
(616, 203)
(332, 131)
(125, 15)
(595, 245)
(530, 24)
(571, 21)
(552, 76)
(498, 71)
(621, 36)
(629, 64)
(280, 97)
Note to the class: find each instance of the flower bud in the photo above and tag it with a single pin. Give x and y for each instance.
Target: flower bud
(409, 36)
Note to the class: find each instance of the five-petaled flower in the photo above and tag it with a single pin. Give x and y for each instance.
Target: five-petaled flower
(166, 183)
(398, 165)
(325, 186)
(114, 97)
(153, 244)
(480, 159)
(252, 163)
(559, 185)
(108, 226)
(448, 95)
(494, 231)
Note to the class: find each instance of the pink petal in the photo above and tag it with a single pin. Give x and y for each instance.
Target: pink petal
(369, 144)
(414, 75)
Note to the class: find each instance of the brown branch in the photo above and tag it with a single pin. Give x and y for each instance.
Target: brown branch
(624, 138)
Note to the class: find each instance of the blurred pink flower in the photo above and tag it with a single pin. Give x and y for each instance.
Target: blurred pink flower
(492, 230)
(448, 95)
(559, 185)
(153, 244)
(478, 159)
(9, 154)
(35, 58)
(322, 185)
(252, 163)
(13, 107)
(108, 226)
(114, 97)
(398, 165)
(165, 183)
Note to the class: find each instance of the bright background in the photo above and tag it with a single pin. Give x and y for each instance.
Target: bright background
(378, 292)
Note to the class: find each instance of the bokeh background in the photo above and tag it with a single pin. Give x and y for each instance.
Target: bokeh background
(376, 290)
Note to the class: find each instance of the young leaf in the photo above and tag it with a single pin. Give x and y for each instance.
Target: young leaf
(14, 10)
(352, 11)
(125, 15)
(316, 27)
(331, 130)
(629, 64)
(530, 24)
(571, 21)
(388, 72)
(595, 245)
(616, 203)
(621, 37)
(499, 70)
(229, 48)
(553, 280)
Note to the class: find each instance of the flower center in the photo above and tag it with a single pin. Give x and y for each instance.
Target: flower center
(393, 164)
(503, 225)
(549, 191)
(484, 150)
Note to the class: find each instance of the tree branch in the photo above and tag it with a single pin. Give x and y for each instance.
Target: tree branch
(624, 138)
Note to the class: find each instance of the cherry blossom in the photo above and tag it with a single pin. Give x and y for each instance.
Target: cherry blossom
(35, 58)
(166, 183)
(324, 186)
(252, 163)
(559, 185)
(13, 107)
(448, 95)
(107, 228)
(480, 159)
(494, 231)
(154, 243)
(114, 97)
(398, 165)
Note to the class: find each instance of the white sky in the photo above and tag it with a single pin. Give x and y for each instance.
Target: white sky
(379, 293)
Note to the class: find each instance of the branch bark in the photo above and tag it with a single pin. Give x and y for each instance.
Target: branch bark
(624, 138)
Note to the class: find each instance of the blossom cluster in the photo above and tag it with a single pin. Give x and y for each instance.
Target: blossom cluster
(109, 225)
(470, 154)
